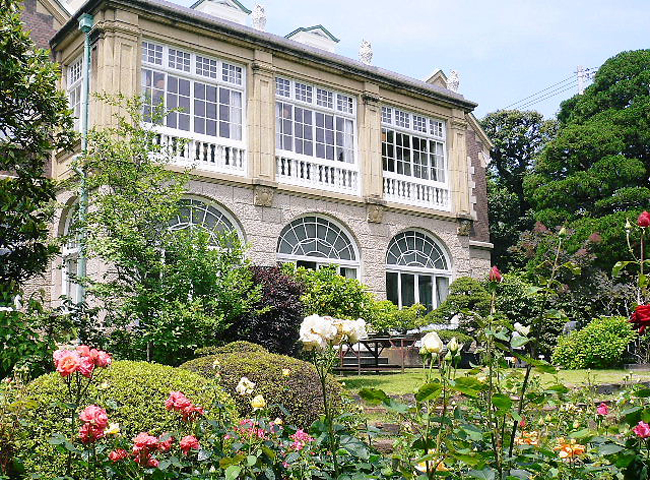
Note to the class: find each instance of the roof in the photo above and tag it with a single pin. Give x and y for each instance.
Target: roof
(311, 29)
(175, 13)
(237, 4)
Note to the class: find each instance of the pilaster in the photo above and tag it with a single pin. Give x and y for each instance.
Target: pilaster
(261, 115)
(370, 142)
(458, 169)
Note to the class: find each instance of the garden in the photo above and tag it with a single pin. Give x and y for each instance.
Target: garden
(183, 360)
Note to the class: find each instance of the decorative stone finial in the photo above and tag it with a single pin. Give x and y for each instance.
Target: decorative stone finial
(259, 17)
(453, 82)
(365, 52)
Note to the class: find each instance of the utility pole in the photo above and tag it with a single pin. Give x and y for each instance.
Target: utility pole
(581, 79)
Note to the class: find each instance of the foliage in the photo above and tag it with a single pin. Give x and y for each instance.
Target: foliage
(385, 317)
(328, 293)
(597, 166)
(34, 120)
(133, 393)
(295, 392)
(518, 137)
(466, 296)
(277, 315)
(169, 291)
(240, 346)
(601, 344)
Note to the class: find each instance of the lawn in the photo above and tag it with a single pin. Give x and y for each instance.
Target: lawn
(408, 382)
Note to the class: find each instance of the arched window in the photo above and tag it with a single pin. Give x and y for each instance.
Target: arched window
(313, 242)
(417, 270)
(70, 255)
(197, 213)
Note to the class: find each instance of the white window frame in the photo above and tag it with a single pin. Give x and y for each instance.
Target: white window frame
(323, 261)
(229, 219)
(403, 121)
(163, 67)
(74, 86)
(70, 254)
(416, 271)
(293, 100)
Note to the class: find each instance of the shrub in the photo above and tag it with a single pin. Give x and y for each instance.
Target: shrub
(601, 344)
(239, 346)
(274, 321)
(465, 294)
(385, 317)
(133, 394)
(299, 392)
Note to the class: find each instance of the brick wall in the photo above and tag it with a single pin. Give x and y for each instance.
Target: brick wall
(480, 229)
(40, 25)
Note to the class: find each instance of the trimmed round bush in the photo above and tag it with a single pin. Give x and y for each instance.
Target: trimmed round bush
(299, 392)
(234, 347)
(601, 344)
(133, 394)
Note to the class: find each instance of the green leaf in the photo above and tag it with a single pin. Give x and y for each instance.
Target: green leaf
(518, 342)
(642, 393)
(232, 472)
(618, 267)
(374, 396)
(610, 449)
(486, 474)
(428, 392)
(501, 401)
(469, 386)
(251, 460)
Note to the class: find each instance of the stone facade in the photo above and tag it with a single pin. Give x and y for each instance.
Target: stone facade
(259, 201)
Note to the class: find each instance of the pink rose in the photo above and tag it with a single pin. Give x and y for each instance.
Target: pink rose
(89, 433)
(144, 441)
(642, 430)
(495, 275)
(83, 350)
(188, 443)
(102, 359)
(165, 445)
(86, 367)
(95, 415)
(644, 220)
(602, 410)
(177, 401)
(117, 455)
(152, 462)
(66, 362)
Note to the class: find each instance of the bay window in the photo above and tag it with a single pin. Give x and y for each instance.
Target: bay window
(413, 145)
(314, 121)
(205, 95)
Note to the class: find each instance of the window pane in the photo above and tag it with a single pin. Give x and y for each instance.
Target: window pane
(425, 287)
(392, 287)
(408, 289)
(348, 272)
(309, 265)
(442, 290)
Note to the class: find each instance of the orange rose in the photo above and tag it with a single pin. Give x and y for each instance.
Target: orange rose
(68, 363)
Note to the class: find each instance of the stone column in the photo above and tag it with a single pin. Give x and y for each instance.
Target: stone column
(261, 119)
(370, 142)
(458, 169)
(115, 60)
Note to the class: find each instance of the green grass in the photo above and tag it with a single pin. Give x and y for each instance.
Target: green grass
(408, 382)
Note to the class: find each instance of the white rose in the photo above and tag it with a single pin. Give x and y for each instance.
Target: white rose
(245, 386)
(317, 332)
(431, 343)
(453, 345)
(358, 330)
(523, 331)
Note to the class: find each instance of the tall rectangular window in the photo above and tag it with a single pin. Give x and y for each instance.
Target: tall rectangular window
(413, 145)
(315, 121)
(74, 88)
(200, 94)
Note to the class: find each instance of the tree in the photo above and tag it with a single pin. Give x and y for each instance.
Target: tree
(167, 291)
(34, 121)
(594, 174)
(518, 137)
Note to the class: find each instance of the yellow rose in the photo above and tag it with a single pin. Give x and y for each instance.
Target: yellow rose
(258, 402)
(278, 421)
(113, 429)
(286, 372)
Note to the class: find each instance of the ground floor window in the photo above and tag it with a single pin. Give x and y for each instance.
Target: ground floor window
(195, 213)
(316, 242)
(417, 271)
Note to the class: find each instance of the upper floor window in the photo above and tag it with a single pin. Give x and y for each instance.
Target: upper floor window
(413, 145)
(315, 121)
(205, 94)
(73, 84)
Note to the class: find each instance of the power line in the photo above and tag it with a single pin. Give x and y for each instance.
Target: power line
(549, 95)
(541, 91)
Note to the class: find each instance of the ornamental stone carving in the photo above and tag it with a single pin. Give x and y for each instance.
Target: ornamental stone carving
(374, 212)
(263, 196)
(365, 52)
(453, 82)
(464, 227)
(259, 18)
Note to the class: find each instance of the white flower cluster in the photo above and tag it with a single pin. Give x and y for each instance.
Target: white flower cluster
(433, 345)
(317, 333)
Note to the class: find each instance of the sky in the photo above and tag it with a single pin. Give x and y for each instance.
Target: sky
(504, 50)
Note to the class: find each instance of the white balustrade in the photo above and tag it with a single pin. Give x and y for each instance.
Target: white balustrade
(414, 191)
(203, 153)
(315, 173)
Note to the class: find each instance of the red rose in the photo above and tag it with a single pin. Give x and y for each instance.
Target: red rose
(117, 455)
(641, 317)
(495, 275)
(188, 443)
(95, 415)
(644, 220)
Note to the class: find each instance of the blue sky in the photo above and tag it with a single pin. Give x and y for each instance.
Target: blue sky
(505, 50)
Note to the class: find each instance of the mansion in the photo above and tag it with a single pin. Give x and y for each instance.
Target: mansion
(310, 156)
